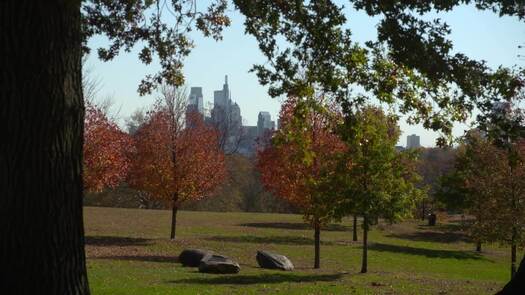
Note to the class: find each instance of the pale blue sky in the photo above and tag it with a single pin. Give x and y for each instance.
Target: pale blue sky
(480, 35)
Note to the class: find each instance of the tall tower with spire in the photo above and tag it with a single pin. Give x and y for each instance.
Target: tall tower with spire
(221, 98)
(226, 114)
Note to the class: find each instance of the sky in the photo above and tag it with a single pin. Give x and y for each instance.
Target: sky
(481, 35)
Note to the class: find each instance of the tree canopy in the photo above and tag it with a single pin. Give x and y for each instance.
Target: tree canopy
(373, 179)
(178, 157)
(107, 151)
(161, 28)
(411, 66)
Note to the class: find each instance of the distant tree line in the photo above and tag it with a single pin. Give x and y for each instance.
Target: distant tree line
(241, 191)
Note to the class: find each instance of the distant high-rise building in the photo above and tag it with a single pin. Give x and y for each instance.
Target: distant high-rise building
(235, 117)
(195, 101)
(225, 111)
(413, 141)
(226, 116)
(264, 122)
(221, 98)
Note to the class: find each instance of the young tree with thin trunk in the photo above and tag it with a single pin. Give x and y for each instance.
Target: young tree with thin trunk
(491, 180)
(299, 159)
(472, 186)
(374, 179)
(502, 119)
(354, 229)
(178, 157)
(512, 201)
(502, 191)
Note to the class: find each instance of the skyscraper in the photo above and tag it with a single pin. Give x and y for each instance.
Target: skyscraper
(195, 101)
(264, 122)
(235, 117)
(413, 141)
(221, 98)
(225, 111)
(226, 116)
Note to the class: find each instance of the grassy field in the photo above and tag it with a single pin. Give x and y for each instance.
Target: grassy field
(129, 252)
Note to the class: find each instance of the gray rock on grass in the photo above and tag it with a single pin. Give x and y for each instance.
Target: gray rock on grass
(193, 257)
(218, 264)
(271, 260)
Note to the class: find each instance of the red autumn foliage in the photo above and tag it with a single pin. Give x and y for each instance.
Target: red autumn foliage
(176, 163)
(283, 168)
(106, 151)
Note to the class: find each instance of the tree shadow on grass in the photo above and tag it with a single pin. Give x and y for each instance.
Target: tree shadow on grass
(106, 241)
(431, 253)
(295, 226)
(432, 236)
(282, 240)
(445, 227)
(259, 279)
(142, 258)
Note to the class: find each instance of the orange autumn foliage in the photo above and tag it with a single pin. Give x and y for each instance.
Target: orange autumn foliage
(106, 151)
(174, 163)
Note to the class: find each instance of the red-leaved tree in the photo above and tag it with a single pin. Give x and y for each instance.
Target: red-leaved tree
(178, 157)
(299, 160)
(106, 150)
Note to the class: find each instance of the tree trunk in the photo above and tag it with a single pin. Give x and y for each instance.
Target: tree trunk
(317, 238)
(41, 118)
(364, 265)
(517, 283)
(173, 221)
(423, 211)
(354, 238)
(478, 246)
(512, 259)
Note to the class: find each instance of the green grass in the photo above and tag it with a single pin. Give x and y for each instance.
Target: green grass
(129, 252)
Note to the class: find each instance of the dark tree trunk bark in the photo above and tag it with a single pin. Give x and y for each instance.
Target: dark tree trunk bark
(354, 238)
(364, 265)
(41, 119)
(317, 242)
(517, 284)
(512, 260)
(478, 247)
(173, 222)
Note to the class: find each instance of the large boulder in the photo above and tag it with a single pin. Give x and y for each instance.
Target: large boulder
(193, 257)
(271, 260)
(218, 264)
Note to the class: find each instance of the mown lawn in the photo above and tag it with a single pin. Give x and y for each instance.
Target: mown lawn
(129, 252)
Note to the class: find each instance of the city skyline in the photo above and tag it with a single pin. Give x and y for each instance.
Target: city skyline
(235, 135)
(223, 99)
